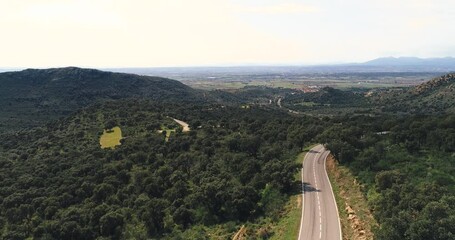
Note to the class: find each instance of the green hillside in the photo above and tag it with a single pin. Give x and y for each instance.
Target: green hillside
(32, 97)
(434, 96)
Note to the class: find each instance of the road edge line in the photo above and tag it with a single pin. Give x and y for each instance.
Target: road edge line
(333, 194)
(303, 199)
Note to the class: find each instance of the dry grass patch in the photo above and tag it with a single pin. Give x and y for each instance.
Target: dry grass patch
(111, 138)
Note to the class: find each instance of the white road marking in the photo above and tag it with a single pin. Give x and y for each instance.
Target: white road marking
(316, 160)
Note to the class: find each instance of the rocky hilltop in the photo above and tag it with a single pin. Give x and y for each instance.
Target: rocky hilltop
(446, 80)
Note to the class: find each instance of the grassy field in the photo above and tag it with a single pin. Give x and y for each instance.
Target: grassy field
(111, 138)
(230, 85)
(299, 84)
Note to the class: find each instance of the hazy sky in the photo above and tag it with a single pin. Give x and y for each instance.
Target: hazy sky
(148, 33)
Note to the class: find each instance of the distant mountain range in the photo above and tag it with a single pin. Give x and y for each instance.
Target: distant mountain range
(386, 64)
(411, 61)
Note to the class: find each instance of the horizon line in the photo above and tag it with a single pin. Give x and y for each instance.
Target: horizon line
(327, 64)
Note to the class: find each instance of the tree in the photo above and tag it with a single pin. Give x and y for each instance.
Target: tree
(110, 124)
(111, 224)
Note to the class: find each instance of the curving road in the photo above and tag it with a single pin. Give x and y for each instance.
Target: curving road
(320, 218)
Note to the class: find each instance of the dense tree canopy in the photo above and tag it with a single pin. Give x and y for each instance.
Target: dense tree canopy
(62, 185)
(408, 166)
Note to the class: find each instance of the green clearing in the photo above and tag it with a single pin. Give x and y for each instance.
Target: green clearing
(168, 132)
(111, 138)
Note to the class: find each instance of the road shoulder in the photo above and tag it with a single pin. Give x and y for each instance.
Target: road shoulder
(357, 221)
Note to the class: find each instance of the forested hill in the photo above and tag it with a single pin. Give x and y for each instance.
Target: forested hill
(434, 96)
(31, 97)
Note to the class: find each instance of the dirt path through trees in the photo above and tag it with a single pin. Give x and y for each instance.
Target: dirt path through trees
(185, 125)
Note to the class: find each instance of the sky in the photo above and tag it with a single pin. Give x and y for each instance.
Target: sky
(161, 33)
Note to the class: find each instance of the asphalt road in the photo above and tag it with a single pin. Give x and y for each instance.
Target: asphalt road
(320, 218)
